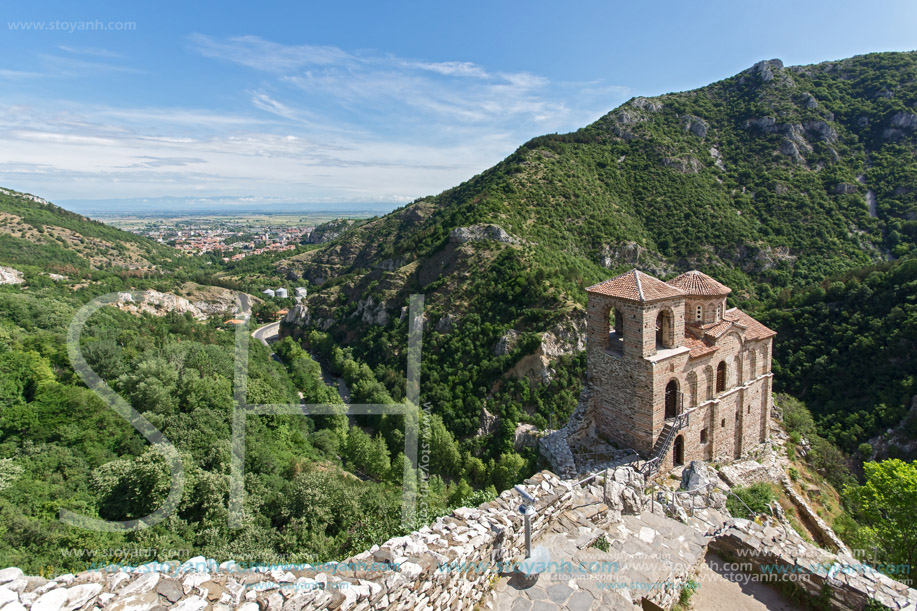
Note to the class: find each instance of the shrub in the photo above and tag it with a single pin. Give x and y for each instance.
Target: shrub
(756, 497)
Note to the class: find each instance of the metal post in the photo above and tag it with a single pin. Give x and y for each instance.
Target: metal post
(605, 488)
(528, 534)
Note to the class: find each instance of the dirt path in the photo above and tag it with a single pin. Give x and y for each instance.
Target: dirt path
(722, 589)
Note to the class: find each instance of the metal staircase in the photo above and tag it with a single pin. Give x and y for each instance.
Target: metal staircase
(664, 443)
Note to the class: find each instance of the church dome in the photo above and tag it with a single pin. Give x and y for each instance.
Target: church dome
(698, 283)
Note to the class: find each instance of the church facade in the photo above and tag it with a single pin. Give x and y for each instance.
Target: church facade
(674, 374)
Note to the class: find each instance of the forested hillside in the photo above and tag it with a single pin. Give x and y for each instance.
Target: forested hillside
(848, 348)
(771, 181)
(795, 186)
(61, 447)
(36, 233)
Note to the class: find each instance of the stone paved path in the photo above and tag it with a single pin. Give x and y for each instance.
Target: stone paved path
(719, 590)
(646, 553)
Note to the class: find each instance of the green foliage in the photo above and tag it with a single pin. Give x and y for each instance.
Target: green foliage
(601, 544)
(849, 352)
(822, 455)
(885, 505)
(756, 497)
(130, 488)
(61, 447)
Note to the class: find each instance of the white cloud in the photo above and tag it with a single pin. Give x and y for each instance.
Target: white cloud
(260, 54)
(90, 51)
(313, 124)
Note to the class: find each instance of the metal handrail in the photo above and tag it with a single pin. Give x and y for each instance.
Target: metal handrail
(679, 422)
(587, 454)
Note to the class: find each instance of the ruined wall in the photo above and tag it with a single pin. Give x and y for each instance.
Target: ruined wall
(430, 568)
(781, 555)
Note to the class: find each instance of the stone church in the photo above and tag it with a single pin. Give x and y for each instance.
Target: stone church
(675, 375)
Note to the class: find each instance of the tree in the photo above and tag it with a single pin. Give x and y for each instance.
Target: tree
(266, 311)
(885, 503)
(444, 455)
(506, 472)
(133, 487)
(368, 455)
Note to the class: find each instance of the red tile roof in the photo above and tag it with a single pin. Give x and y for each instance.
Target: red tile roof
(753, 328)
(698, 346)
(636, 286)
(734, 318)
(698, 283)
(717, 330)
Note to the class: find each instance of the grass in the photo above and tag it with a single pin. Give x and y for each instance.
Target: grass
(601, 544)
(684, 598)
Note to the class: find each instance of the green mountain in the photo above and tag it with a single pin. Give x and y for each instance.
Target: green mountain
(774, 179)
(38, 234)
(795, 186)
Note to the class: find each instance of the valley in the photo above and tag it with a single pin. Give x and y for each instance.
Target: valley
(794, 185)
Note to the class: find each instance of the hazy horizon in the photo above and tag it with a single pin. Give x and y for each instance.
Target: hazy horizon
(317, 103)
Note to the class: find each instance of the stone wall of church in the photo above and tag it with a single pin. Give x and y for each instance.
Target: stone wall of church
(629, 379)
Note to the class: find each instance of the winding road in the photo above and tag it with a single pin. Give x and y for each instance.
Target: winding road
(268, 333)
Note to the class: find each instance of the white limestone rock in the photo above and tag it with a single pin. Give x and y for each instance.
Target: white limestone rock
(52, 600)
(10, 574)
(8, 275)
(143, 584)
(7, 596)
(192, 603)
(79, 596)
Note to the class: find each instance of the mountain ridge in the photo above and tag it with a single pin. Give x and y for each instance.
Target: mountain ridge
(34, 232)
(773, 179)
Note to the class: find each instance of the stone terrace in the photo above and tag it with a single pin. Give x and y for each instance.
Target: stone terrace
(650, 556)
(459, 562)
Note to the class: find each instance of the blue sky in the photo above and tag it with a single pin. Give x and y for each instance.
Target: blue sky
(373, 102)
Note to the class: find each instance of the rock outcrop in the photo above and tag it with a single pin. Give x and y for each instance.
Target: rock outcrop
(481, 233)
(159, 304)
(371, 312)
(8, 275)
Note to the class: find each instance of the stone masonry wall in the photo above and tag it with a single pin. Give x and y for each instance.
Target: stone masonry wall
(451, 564)
(448, 565)
(778, 555)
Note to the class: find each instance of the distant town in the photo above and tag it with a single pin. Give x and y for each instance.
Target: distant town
(234, 238)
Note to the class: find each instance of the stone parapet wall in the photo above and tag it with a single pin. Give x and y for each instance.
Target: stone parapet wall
(778, 555)
(453, 563)
(448, 565)
(824, 532)
(555, 447)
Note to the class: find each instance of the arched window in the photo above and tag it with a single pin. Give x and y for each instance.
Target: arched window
(699, 313)
(665, 337)
(719, 312)
(615, 330)
(721, 376)
(671, 399)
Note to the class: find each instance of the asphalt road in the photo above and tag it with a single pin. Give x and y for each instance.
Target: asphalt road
(267, 333)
